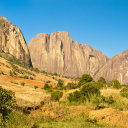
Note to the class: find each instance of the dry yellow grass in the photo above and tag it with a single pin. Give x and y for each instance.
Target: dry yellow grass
(109, 92)
(27, 95)
(110, 116)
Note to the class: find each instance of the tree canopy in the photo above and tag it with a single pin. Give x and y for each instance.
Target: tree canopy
(84, 79)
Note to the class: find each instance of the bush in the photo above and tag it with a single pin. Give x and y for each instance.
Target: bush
(71, 86)
(22, 83)
(97, 100)
(55, 74)
(48, 81)
(35, 87)
(11, 74)
(7, 102)
(60, 83)
(36, 70)
(75, 96)
(102, 80)
(124, 89)
(124, 92)
(116, 84)
(31, 78)
(25, 77)
(56, 95)
(2, 73)
(84, 79)
(46, 86)
(109, 100)
(89, 90)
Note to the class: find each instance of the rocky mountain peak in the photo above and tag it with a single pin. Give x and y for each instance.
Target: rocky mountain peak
(59, 53)
(12, 41)
(115, 68)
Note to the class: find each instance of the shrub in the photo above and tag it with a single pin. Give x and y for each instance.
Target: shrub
(75, 96)
(97, 100)
(31, 78)
(22, 83)
(71, 86)
(116, 84)
(46, 86)
(56, 95)
(55, 74)
(35, 87)
(11, 74)
(109, 100)
(36, 70)
(84, 79)
(60, 83)
(102, 80)
(2, 73)
(25, 77)
(124, 92)
(7, 102)
(89, 90)
(124, 89)
(48, 81)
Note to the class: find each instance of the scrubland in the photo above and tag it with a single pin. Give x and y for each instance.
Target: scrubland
(49, 100)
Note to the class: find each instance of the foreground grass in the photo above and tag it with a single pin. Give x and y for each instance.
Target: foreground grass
(43, 120)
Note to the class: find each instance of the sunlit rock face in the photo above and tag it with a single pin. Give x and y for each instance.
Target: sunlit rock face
(115, 68)
(12, 41)
(59, 53)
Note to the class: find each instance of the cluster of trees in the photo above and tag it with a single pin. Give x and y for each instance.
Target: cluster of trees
(7, 102)
(88, 88)
(90, 91)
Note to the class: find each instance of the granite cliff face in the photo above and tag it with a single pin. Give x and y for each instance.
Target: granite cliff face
(12, 41)
(115, 68)
(58, 53)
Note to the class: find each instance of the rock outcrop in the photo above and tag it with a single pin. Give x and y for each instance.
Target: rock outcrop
(58, 53)
(115, 68)
(12, 41)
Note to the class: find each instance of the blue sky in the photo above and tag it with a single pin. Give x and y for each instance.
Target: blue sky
(103, 24)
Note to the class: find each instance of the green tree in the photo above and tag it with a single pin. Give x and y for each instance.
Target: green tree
(102, 80)
(46, 86)
(90, 89)
(56, 95)
(22, 83)
(35, 87)
(7, 102)
(84, 79)
(71, 86)
(60, 83)
(75, 96)
(116, 84)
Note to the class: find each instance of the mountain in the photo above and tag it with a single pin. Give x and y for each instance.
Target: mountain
(12, 41)
(59, 53)
(115, 68)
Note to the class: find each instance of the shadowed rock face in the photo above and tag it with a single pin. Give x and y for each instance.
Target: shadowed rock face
(58, 53)
(115, 68)
(12, 41)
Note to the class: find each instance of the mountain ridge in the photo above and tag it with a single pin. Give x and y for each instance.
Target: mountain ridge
(68, 51)
(12, 41)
